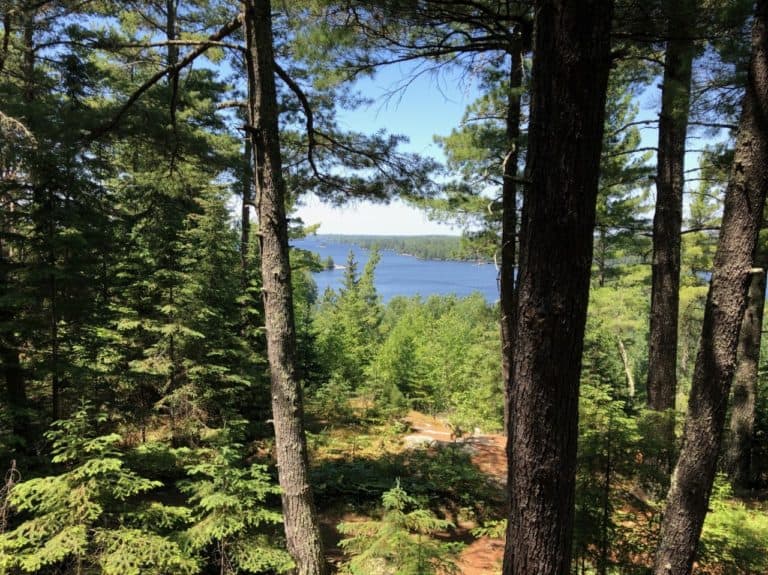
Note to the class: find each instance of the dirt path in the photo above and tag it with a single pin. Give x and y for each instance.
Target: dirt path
(488, 452)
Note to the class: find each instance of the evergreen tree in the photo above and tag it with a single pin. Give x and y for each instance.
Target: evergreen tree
(401, 542)
(695, 470)
(570, 49)
(83, 519)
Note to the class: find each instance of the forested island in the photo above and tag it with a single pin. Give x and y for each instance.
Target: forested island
(177, 397)
(422, 247)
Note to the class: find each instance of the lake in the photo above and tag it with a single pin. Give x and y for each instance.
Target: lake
(405, 275)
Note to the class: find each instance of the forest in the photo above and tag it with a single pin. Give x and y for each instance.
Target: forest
(177, 398)
(426, 247)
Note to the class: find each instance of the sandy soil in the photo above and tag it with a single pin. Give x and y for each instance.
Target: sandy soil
(488, 452)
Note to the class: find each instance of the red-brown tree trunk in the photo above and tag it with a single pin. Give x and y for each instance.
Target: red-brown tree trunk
(694, 474)
(569, 83)
(300, 518)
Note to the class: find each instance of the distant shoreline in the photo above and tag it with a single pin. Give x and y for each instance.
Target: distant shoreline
(424, 247)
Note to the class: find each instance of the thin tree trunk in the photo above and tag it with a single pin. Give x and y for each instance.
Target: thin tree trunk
(739, 454)
(668, 218)
(15, 384)
(569, 82)
(602, 248)
(627, 370)
(716, 360)
(299, 515)
(509, 224)
(602, 565)
(44, 207)
(29, 59)
(171, 9)
(245, 213)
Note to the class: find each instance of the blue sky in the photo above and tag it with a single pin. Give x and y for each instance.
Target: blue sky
(428, 106)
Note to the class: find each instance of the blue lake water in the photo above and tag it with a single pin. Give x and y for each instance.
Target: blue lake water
(406, 275)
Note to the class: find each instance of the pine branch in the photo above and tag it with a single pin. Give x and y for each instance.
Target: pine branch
(225, 31)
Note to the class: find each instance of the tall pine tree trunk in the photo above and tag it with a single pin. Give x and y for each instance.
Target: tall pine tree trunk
(299, 515)
(509, 224)
(716, 360)
(668, 218)
(742, 424)
(43, 213)
(569, 83)
(245, 213)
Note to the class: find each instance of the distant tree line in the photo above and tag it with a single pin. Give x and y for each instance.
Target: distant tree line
(429, 247)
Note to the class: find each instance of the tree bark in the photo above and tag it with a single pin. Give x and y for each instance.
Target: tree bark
(569, 83)
(743, 401)
(299, 515)
(742, 424)
(715, 363)
(172, 60)
(668, 218)
(509, 225)
(627, 370)
(245, 213)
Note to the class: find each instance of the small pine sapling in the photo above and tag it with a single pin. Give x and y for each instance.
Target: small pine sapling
(402, 542)
(231, 519)
(88, 516)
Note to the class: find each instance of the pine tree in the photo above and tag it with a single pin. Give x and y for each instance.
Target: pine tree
(85, 518)
(401, 542)
(228, 511)
(571, 52)
(694, 473)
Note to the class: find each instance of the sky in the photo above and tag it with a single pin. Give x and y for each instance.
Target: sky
(428, 106)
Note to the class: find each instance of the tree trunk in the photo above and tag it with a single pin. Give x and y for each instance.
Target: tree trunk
(44, 205)
(172, 59)
(299, 515)
(509, 225)
(668, 218)
(739, 455)
(569, 82)
(715, 363)
(245, 213)
(627, 370)
(745, 383)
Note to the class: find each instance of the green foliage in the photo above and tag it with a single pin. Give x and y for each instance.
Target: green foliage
(442, 354)
(734, 535)
(400, 543)
(449, 474)
(176, 342)
(347, 324)
(495, 529)
(608, 449)
(85, 515)
(230, 519)
(439, 355)
(623, 190)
